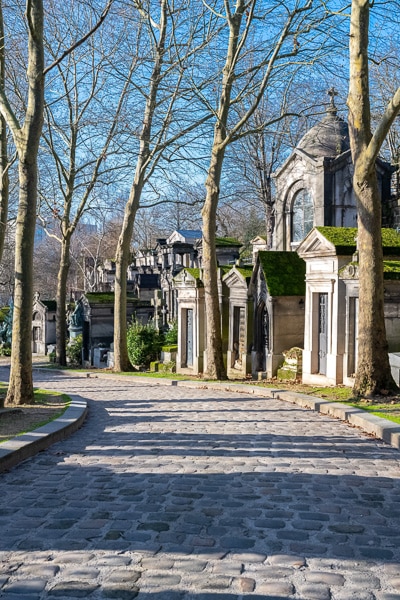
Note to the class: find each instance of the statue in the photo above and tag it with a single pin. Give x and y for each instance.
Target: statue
(76, 319)
(6, 327)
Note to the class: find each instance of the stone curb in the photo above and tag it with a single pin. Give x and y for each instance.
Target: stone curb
(381, 428)
(27, 445)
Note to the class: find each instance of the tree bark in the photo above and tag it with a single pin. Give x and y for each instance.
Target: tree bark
(121, 359)
(61, 313)
(215, 365)
(216, 368)
(373, 368)
(20, 390)
(4, 181)
(27, 138)
(4, 184)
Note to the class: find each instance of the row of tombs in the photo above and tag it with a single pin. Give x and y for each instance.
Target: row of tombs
(300, 306)
(300, 292)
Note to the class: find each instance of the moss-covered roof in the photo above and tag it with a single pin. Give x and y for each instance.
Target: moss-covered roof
(344, 240)
(107, 297)
(224, 269)
(246, 272)
(391, 269)
(195, 273)
(284, 273)
(391, 242)
(227, 241)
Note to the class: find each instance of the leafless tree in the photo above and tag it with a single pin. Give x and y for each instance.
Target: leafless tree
(82, 133)
(176, 34)
(263, 43)
(373, 369)
(25, 125)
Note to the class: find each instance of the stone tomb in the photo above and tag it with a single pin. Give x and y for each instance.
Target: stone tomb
(314, 186)
(191, 321)
(94, 319)
(240, 322)
(278, 292)
(43, 325)
(332, 289)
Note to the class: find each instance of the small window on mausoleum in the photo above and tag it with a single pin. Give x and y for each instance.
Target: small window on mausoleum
(302, 215)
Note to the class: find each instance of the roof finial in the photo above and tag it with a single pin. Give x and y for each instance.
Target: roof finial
(332, 107)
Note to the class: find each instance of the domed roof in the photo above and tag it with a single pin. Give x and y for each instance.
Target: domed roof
(329, 137)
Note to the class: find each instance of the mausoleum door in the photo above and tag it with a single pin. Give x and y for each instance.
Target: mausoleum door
(353, 336)
(323, 333)
(189, 337)
(36, 339)
(261, 336)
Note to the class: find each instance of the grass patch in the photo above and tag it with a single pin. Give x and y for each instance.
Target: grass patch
(19, 419)
(385, 410)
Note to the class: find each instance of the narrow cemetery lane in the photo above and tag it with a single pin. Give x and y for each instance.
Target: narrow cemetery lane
(176, 493)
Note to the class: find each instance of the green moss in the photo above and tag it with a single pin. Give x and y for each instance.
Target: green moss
(391, 269)
(225, 269)
(391, 242)
(196, 274)
(284, 273)
(344, 240)
(172, 348)
(107, 297)
(246, 272)
(227, 241)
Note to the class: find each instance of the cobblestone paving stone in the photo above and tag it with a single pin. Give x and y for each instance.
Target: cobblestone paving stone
(170, 493)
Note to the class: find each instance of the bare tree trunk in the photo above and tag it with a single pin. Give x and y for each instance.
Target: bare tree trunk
(20, 390)
(121, 359)
(4, 183)
(27, 138)
(61, 314)
(373, 370)
(215, 364)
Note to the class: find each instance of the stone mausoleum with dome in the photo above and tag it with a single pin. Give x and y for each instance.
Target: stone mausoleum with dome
(314, 186)
(300, 293)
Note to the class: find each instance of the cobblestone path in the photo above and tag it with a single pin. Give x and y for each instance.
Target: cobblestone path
(171, 493)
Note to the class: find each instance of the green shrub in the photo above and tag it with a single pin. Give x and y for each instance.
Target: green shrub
(144, 344)
(5, 350)
(171, 335)
(74, 350)
(169, 367)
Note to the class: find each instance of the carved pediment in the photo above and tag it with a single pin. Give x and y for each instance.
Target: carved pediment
(188, 278)
(234, 279)
(315, 244)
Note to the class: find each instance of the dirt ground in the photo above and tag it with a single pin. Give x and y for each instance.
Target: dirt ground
(19, 419)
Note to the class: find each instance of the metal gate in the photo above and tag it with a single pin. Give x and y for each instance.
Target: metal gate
(323, 333)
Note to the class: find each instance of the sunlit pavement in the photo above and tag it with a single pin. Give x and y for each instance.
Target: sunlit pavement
(169, 493)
